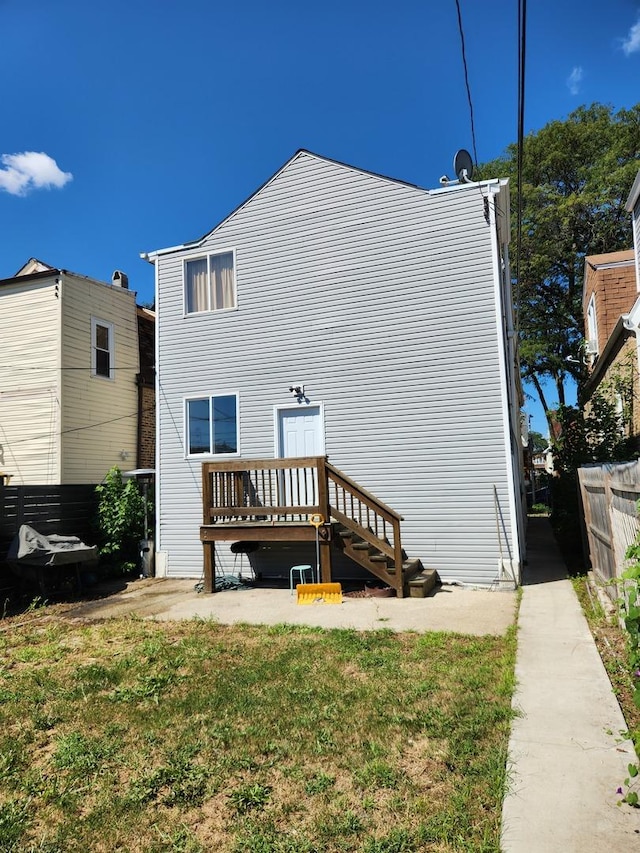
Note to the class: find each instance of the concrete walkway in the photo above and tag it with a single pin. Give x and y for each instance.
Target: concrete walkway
(565, 756)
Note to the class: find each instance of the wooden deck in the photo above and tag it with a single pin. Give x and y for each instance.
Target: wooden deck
(286, 499)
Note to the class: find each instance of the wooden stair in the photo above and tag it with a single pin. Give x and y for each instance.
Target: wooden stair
(371, 558)
(306, 499)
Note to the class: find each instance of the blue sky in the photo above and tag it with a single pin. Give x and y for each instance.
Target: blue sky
(156, 119)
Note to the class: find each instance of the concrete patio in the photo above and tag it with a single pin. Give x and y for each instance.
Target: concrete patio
(449, 608)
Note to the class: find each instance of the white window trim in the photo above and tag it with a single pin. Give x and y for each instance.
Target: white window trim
(96, 321)
(209, 396)
(592, 325)
(199, 257)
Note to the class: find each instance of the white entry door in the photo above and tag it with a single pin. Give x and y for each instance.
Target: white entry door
(300, 433)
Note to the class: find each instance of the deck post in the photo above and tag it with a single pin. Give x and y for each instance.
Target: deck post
(209, 567)
(209, 554)
(324, 509)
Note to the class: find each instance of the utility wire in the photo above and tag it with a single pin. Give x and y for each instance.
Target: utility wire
(522, 45)
(88, 426)
(466, 80)
(48, 367)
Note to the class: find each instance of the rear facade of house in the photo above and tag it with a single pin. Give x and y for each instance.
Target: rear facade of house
(341, 313)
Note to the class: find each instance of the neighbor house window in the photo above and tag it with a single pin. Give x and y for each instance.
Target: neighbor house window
(102, 356)
(212, 424)
(210, 283)
(592, 327)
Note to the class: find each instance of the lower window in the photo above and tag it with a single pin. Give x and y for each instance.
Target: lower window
(212, 425)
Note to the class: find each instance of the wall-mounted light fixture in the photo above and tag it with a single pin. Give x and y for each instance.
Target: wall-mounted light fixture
(297, 391)
(124, 455)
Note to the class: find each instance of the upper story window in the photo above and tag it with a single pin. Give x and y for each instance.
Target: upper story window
(102, 349)
(209, 283)
(212, 424)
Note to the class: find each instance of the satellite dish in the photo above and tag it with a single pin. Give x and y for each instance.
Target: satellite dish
(463, 166)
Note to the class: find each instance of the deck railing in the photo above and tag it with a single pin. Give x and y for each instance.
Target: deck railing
(291, 490)
(263, 490)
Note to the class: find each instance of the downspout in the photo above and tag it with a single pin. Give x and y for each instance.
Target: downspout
(140, 384)
(160, 554)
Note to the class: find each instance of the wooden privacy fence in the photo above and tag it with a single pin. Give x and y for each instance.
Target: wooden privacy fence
(609, 498)
(49, 509)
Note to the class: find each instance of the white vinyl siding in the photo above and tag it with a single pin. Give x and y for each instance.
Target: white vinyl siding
(380, 298)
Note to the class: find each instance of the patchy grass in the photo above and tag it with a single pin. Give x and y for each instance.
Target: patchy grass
(610, 640)
(193, 736)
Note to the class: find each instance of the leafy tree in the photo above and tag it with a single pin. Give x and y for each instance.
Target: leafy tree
(538, 441)
(577, 175)
(594, 434)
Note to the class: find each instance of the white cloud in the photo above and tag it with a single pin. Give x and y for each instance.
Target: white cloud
(574, 79)
(31, 170)
(631, 44)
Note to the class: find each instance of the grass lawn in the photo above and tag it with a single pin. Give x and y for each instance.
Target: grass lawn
(139, 736)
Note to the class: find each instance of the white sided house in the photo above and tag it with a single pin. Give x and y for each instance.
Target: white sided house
(68, 367)
(342, 344)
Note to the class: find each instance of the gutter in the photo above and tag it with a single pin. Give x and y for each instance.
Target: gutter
(634, 194)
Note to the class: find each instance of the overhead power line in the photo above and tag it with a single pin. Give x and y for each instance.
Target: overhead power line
(522, 50)
(48, 367)
(82, 428)
(466, 80)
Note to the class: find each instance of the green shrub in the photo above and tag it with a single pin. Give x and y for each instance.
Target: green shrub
(120, 520)
(540, 509)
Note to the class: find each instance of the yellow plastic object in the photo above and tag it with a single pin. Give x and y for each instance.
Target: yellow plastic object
(319, 593)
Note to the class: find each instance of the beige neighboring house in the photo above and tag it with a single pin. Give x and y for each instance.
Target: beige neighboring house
(70, 376)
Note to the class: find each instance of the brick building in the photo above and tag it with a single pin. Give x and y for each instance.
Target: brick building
(146, 389)
(609, 294)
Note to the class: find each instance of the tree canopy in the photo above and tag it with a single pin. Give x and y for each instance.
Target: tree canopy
(577, 175)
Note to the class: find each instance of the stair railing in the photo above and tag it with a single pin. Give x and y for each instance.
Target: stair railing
(367, 516)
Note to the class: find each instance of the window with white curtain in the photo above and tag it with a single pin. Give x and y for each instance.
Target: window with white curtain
(209, 283)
